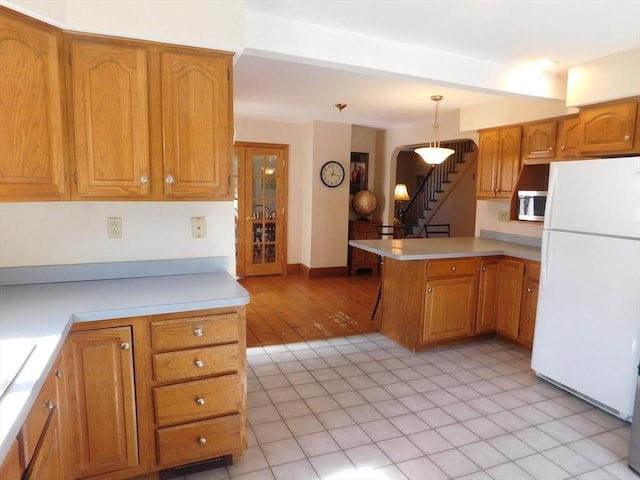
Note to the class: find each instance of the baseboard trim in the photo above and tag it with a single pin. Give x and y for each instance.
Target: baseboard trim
(327, 272)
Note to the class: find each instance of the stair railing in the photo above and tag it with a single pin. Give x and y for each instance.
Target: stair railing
(432, 184)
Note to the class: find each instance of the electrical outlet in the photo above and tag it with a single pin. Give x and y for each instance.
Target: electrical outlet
(199, 227)
(503, 216)
(114, 227)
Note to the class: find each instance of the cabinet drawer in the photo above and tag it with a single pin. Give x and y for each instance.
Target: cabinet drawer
(186, 402)
(37, 418)
(197, 362)
(194, 331)
(198, 441)
(452, 267)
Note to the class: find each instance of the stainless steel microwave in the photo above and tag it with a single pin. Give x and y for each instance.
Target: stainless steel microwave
(531, 205)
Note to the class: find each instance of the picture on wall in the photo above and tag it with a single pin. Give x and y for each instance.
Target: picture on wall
(358, 172)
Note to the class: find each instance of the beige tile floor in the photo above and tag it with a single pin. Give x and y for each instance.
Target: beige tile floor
(364, 408)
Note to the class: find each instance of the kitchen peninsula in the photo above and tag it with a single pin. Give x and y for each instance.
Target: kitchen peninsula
(135, 367)
(440, 291)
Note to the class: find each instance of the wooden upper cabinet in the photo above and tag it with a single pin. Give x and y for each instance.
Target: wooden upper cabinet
(609, 128)
(110, 118)
(33, 153)
(568, 137)
(499, 162)
(196, 124)
(539, 140)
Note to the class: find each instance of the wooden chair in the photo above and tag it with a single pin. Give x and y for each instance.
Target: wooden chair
(437, 230)
(393, 231)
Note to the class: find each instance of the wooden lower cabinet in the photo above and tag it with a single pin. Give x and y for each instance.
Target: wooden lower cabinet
(510, 276)
(102, 401)
(488, 295)
(11, 468)
(178, 397)
(529, 302)
(428, 303)
(450, 300)
(42, 451)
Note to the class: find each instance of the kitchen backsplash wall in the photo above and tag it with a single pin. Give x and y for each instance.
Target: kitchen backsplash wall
(55, 233)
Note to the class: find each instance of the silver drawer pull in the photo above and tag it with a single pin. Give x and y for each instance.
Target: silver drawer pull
(453, 269)
(125, 346)
(528, 290)
(197, 332)
(563, 147)
(50, 405)
(430, 290)
(199, 363)
(202, 441)
(200, 401)
(627, 138)
(58, 373)
(169, 180)
(144, 179)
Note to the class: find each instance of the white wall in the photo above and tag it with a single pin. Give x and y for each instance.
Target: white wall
(55, 233)
(607, 78)
(295, 136)
(329, 213)
(218, 25)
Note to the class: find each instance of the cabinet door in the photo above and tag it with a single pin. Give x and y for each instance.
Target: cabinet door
(101, 401)
(49, 460)
(487, 295)
(488, 157)
(539, 140)
(529, 303)
(32, 137)
(509, 161)
(10, 468)
(450, 308)
(110, 116)
(609, 128)
(511, 274)
(196, 125)
(568, 137)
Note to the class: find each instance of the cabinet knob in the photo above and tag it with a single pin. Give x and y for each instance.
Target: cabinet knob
(551, 149)
(563, 147)
(453, 269)
(627, 138)
(528, 290)
(169, 180)
(200, 401)
(50, 405)
(125, 346)
(144, 179)
(484, 269)
(202, 441)
(58, 374)
(429, 290)
(197, 332)
(199, 363)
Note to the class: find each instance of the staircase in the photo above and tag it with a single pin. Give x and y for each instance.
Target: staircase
(438, 184)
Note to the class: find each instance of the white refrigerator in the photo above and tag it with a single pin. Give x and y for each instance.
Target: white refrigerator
(587, 335)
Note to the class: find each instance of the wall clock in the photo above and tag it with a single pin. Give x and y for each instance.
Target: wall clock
(332, 174)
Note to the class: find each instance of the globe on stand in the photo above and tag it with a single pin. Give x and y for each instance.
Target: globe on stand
(364, 203)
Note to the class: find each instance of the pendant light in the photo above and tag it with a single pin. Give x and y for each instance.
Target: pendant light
(434, 153)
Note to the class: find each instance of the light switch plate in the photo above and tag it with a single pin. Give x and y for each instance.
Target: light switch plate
(199, 227)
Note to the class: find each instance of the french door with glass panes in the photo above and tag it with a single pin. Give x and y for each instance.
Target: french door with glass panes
(262, 196)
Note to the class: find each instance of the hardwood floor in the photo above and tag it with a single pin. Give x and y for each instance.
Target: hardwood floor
(294, 308)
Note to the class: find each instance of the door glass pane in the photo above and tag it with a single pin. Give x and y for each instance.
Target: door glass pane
(264, 189)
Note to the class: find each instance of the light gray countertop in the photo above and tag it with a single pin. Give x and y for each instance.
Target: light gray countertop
(439, 248)
(42, 314)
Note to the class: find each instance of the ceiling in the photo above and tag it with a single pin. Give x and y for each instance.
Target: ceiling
(509, 33)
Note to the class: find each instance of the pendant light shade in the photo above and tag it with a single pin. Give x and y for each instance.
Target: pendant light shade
(434, 153)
